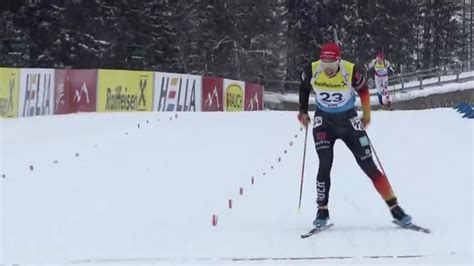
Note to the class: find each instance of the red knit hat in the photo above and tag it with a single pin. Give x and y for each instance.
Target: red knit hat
(380, 55)
(330, 51)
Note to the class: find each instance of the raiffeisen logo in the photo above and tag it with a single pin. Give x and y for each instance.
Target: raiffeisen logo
(234, 98)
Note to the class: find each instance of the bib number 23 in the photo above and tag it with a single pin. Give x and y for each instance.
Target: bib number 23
(331, 98)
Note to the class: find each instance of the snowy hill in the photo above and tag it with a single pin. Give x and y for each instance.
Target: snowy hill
(142, 188)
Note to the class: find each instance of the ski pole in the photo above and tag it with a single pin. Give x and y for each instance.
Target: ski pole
(393, 95)
(302, 167)
(375, 153)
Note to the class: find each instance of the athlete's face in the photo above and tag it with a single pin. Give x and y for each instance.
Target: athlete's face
(330, 66)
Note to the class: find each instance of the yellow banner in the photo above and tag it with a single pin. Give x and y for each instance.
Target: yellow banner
(9, 91)
(234, 95)
(125, 91)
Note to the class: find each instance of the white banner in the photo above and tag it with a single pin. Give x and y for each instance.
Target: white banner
(36, 92)
(234, 95)
(177, 92)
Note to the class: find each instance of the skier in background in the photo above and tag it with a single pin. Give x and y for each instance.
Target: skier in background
(335, 82)
(381, 67)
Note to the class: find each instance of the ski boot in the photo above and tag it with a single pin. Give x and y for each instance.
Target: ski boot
(322, 217)
(399, 215)
(389, 105)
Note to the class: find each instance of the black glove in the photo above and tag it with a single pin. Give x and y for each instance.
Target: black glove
(304, 119)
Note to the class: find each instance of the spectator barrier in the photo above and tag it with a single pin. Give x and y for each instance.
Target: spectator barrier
(32, 92)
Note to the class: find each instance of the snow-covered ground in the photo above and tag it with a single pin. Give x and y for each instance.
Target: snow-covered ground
(141, 188)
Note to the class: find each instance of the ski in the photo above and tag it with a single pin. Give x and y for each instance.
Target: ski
(316, 230)
(413, 227)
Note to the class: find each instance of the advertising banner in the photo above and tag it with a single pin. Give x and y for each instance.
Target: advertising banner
(61, 104)
(9, 92)
(234, 95)
(177, 92)
(253, 97)
(212, 94)
(36, 92)
(75, 91)
(124, 90)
